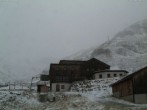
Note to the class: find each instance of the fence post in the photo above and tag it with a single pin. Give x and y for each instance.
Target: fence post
(14, 85)
(9, 85)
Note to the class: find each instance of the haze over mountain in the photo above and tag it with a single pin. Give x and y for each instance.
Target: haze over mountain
(127, 50)
(35, 33)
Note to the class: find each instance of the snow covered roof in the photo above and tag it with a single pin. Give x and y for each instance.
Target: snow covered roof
(42, 82)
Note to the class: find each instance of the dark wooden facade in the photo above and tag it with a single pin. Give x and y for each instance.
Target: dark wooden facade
(44, 77)
(65, 73)
(93, 65)
(68, 71)
(133, 87)
(75, 62)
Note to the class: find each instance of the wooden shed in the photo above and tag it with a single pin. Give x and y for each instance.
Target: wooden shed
(43, 87)
(132, 87)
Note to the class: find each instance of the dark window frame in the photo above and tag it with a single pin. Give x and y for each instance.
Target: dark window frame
(108, 75)
(120, 74)
(62, 86)
(100, 76)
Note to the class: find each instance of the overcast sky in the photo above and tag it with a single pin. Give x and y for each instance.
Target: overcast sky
(33, 30)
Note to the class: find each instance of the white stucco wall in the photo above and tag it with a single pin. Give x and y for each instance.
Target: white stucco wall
(104, 74)
(66, 87)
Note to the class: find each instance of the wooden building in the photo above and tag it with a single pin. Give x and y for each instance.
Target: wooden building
(44, 77)
(132, 87)
(67, 71)
(43, 85)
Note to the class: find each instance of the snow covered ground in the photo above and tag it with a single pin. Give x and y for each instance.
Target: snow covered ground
(84, 95)
(17, 100)
(25, 100)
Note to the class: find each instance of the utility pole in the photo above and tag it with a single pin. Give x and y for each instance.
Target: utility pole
(108, 39)
(32, 82)
(14, 85)
(9, 85)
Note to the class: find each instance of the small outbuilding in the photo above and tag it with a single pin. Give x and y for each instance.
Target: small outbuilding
(132, 87)
(43, 87)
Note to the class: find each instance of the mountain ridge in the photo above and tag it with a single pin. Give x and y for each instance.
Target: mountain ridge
(126, 50)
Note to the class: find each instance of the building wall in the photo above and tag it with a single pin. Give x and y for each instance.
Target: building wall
(140, 98)
(66, 87)
(140, 82)
(128, 98)
(104, 75)
(65, 73)
(123, 90)
(42, 89)
(44, 77)
(140, 86)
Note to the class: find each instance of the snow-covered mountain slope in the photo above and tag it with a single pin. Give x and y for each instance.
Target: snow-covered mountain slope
(16, 69)
(127, 50)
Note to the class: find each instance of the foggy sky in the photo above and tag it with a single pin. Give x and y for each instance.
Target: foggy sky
(42, 30)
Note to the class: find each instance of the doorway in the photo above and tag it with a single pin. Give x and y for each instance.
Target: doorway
(57, 88)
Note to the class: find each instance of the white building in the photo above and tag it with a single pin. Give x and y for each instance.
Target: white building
(60, 87)
(109, 74)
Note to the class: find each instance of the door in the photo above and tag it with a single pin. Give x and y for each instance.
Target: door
(57, 88)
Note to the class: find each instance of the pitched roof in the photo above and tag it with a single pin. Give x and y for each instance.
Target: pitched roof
(71, 62)
(129, 76)
(92, 59)
(111, 71)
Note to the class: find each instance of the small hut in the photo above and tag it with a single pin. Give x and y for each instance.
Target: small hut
(43, 86)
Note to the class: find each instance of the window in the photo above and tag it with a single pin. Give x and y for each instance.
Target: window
(94, 77)
(115, 75)
(120, 74)
(97, 69)
(100, 76)
(108, 75)
(65, 78)
(62, 87)
(58, 78)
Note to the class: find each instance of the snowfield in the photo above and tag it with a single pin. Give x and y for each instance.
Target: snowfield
(84, 95)
(64, 101)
